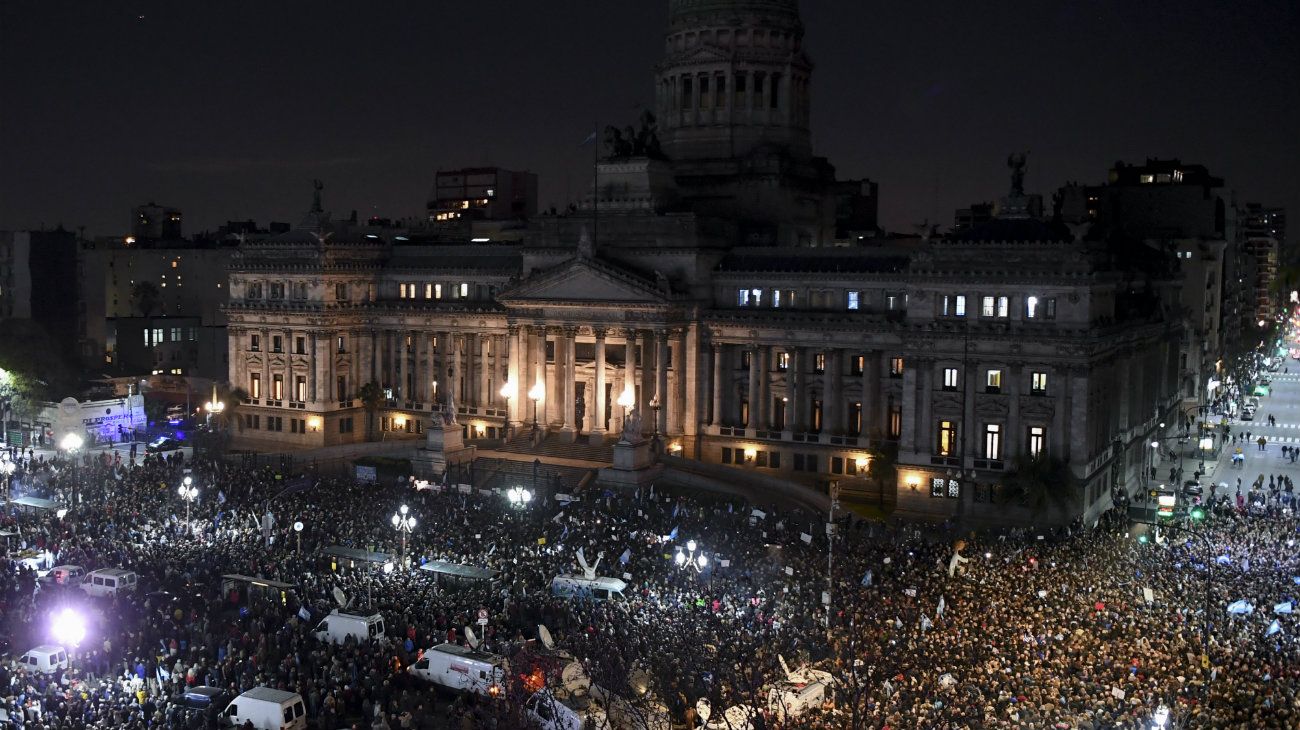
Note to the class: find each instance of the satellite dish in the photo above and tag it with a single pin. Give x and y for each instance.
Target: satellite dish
(703, 710)
(574, 678)
(471, 638)
(544, 634)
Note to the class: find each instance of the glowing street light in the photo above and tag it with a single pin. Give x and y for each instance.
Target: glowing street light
(690, 559)
(519, 496)
(68, 628)
(71, 442)
(404, 523)
(508, 393)
(189, 493)
(535, 394)
(297, 530)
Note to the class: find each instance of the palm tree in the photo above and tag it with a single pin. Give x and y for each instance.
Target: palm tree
(371, 396)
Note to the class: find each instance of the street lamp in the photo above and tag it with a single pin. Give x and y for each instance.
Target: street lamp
(68, 628)
(297, 529)
(189, 493)
(70, 443)
(519, 496)
(508, 392)
(654, 407)
(536, 393)
(403, 523)
(214, 407)
(626, 399)
(685, 560)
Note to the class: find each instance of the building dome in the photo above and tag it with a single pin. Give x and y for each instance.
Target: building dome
(685, 12)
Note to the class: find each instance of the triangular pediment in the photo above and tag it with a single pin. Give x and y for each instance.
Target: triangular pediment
(584, 282)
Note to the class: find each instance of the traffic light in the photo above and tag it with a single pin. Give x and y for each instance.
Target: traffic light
(1197, 513)
(1142, 538)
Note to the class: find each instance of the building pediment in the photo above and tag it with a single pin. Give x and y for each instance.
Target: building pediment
(584, 281)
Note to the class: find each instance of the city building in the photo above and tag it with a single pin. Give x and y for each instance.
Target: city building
(153, 222)
(966, 218)
(132, 287)
(35, 281)
(1261, 234)
(701, 287)
(482, 194)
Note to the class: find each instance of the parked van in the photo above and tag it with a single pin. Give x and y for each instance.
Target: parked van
(461, 669)
(560, 710)
(108, 582)
(600, 589)
(45, 659)
(337, 627)
(788, 700)
(66, 574)
(267, 709)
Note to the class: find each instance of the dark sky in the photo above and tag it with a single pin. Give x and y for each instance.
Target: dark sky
(229, 109)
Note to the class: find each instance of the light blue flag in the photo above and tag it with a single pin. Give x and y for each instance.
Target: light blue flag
(1240, 607)
(1273, 628)
(673, 535)
(866, 579)
(626, 556)
(1283, 607)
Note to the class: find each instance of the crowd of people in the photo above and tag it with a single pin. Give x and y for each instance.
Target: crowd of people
(1087, 627)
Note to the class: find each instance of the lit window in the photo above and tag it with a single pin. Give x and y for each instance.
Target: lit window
(993, 381)
(1049, 308)
(819, 362)
(742, 297)
(1038, 384)
(894, 301)
(1147, 178)
(255, 385)
(896, 367)
(992, 441)
(853, 300)
(757, 295)
(937, 486)
(776, 298)
(987, 306)
(401, 291)
(1031, 307)
(783, 361)
(437, 291)
(1003, 306)
(950, 378)
(954, 305)
(464, 290)
(277, 387)
(954, 489)
(1037, 441)
(428, 291)
(947, 438)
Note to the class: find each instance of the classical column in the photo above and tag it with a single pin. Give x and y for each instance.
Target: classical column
(430, 367)
(831, 424)
(869, 403)
(457, 370)
(751, 423)
(568, 337)
(515, 369)
(539, 372)
(681, 376)
(794, 409)
(354, 346)
(1015, 440)
(646, 383)
(314, 358)
(715, 418)
(661, 380)
(598, 423)
(691, 380)
(485, 371)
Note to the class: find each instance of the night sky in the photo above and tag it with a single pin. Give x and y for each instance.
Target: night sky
(229, 109)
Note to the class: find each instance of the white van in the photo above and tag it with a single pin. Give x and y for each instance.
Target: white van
(267, 709)
(462, 670)
(46, 659)
(65, 574)
(337, 627)
(599, 589)
(108, 582)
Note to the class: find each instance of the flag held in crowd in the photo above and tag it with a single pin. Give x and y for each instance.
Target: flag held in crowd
(626, 556)
(1283, 607)
(1240, 607)
(1273, 628)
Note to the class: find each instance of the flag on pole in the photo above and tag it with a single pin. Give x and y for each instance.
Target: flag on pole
(673, 535)
(1283, 607)
(939, 611)
(1273, 628)
(590, 138)
(626, 556)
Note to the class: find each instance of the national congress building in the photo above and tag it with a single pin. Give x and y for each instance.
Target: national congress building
(712, 281)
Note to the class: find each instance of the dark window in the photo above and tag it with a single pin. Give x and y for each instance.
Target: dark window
(726, 455)
(774, 460)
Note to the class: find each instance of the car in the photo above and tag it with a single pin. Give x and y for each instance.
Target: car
(1248, 414)
(1193, 488)
(1266, 382)
(201, 697)
(162, 444)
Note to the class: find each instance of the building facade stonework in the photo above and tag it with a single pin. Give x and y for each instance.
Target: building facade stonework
(912, 363)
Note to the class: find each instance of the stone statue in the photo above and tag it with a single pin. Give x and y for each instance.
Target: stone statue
(647, 139)
(449, 408)
(1016, 161)
(632, 427)
(586, 249)
(616, 147)
(318, 186)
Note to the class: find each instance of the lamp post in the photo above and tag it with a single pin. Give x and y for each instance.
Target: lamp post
(535, 394)
(519, 497)
(403, 523)
(189, 493)
(690, 559)
(508, 392)
(214, 407)
(70, 444)
(297, 531)
(654, 407)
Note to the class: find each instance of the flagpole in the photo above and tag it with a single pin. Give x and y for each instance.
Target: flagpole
(595, 185)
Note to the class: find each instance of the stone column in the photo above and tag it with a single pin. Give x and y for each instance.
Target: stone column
(457, 369)
(691, 381)
(598, 422)
(354, 345)
(715, 418)
(647, 381)
(677, 419)
(568, 336)
(661, 380)
(430, 367)
(831, 424)
(539, 373)
(314, 360)
(794, 413)
(485, 371)
(752, 422)
(869, 404)
(516, 366)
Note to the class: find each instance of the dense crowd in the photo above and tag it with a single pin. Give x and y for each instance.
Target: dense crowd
(1022, 630)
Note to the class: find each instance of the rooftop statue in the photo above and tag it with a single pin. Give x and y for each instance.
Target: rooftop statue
(1016, 161)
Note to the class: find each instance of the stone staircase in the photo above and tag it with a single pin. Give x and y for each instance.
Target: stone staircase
(504, 473)
(552, 445)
